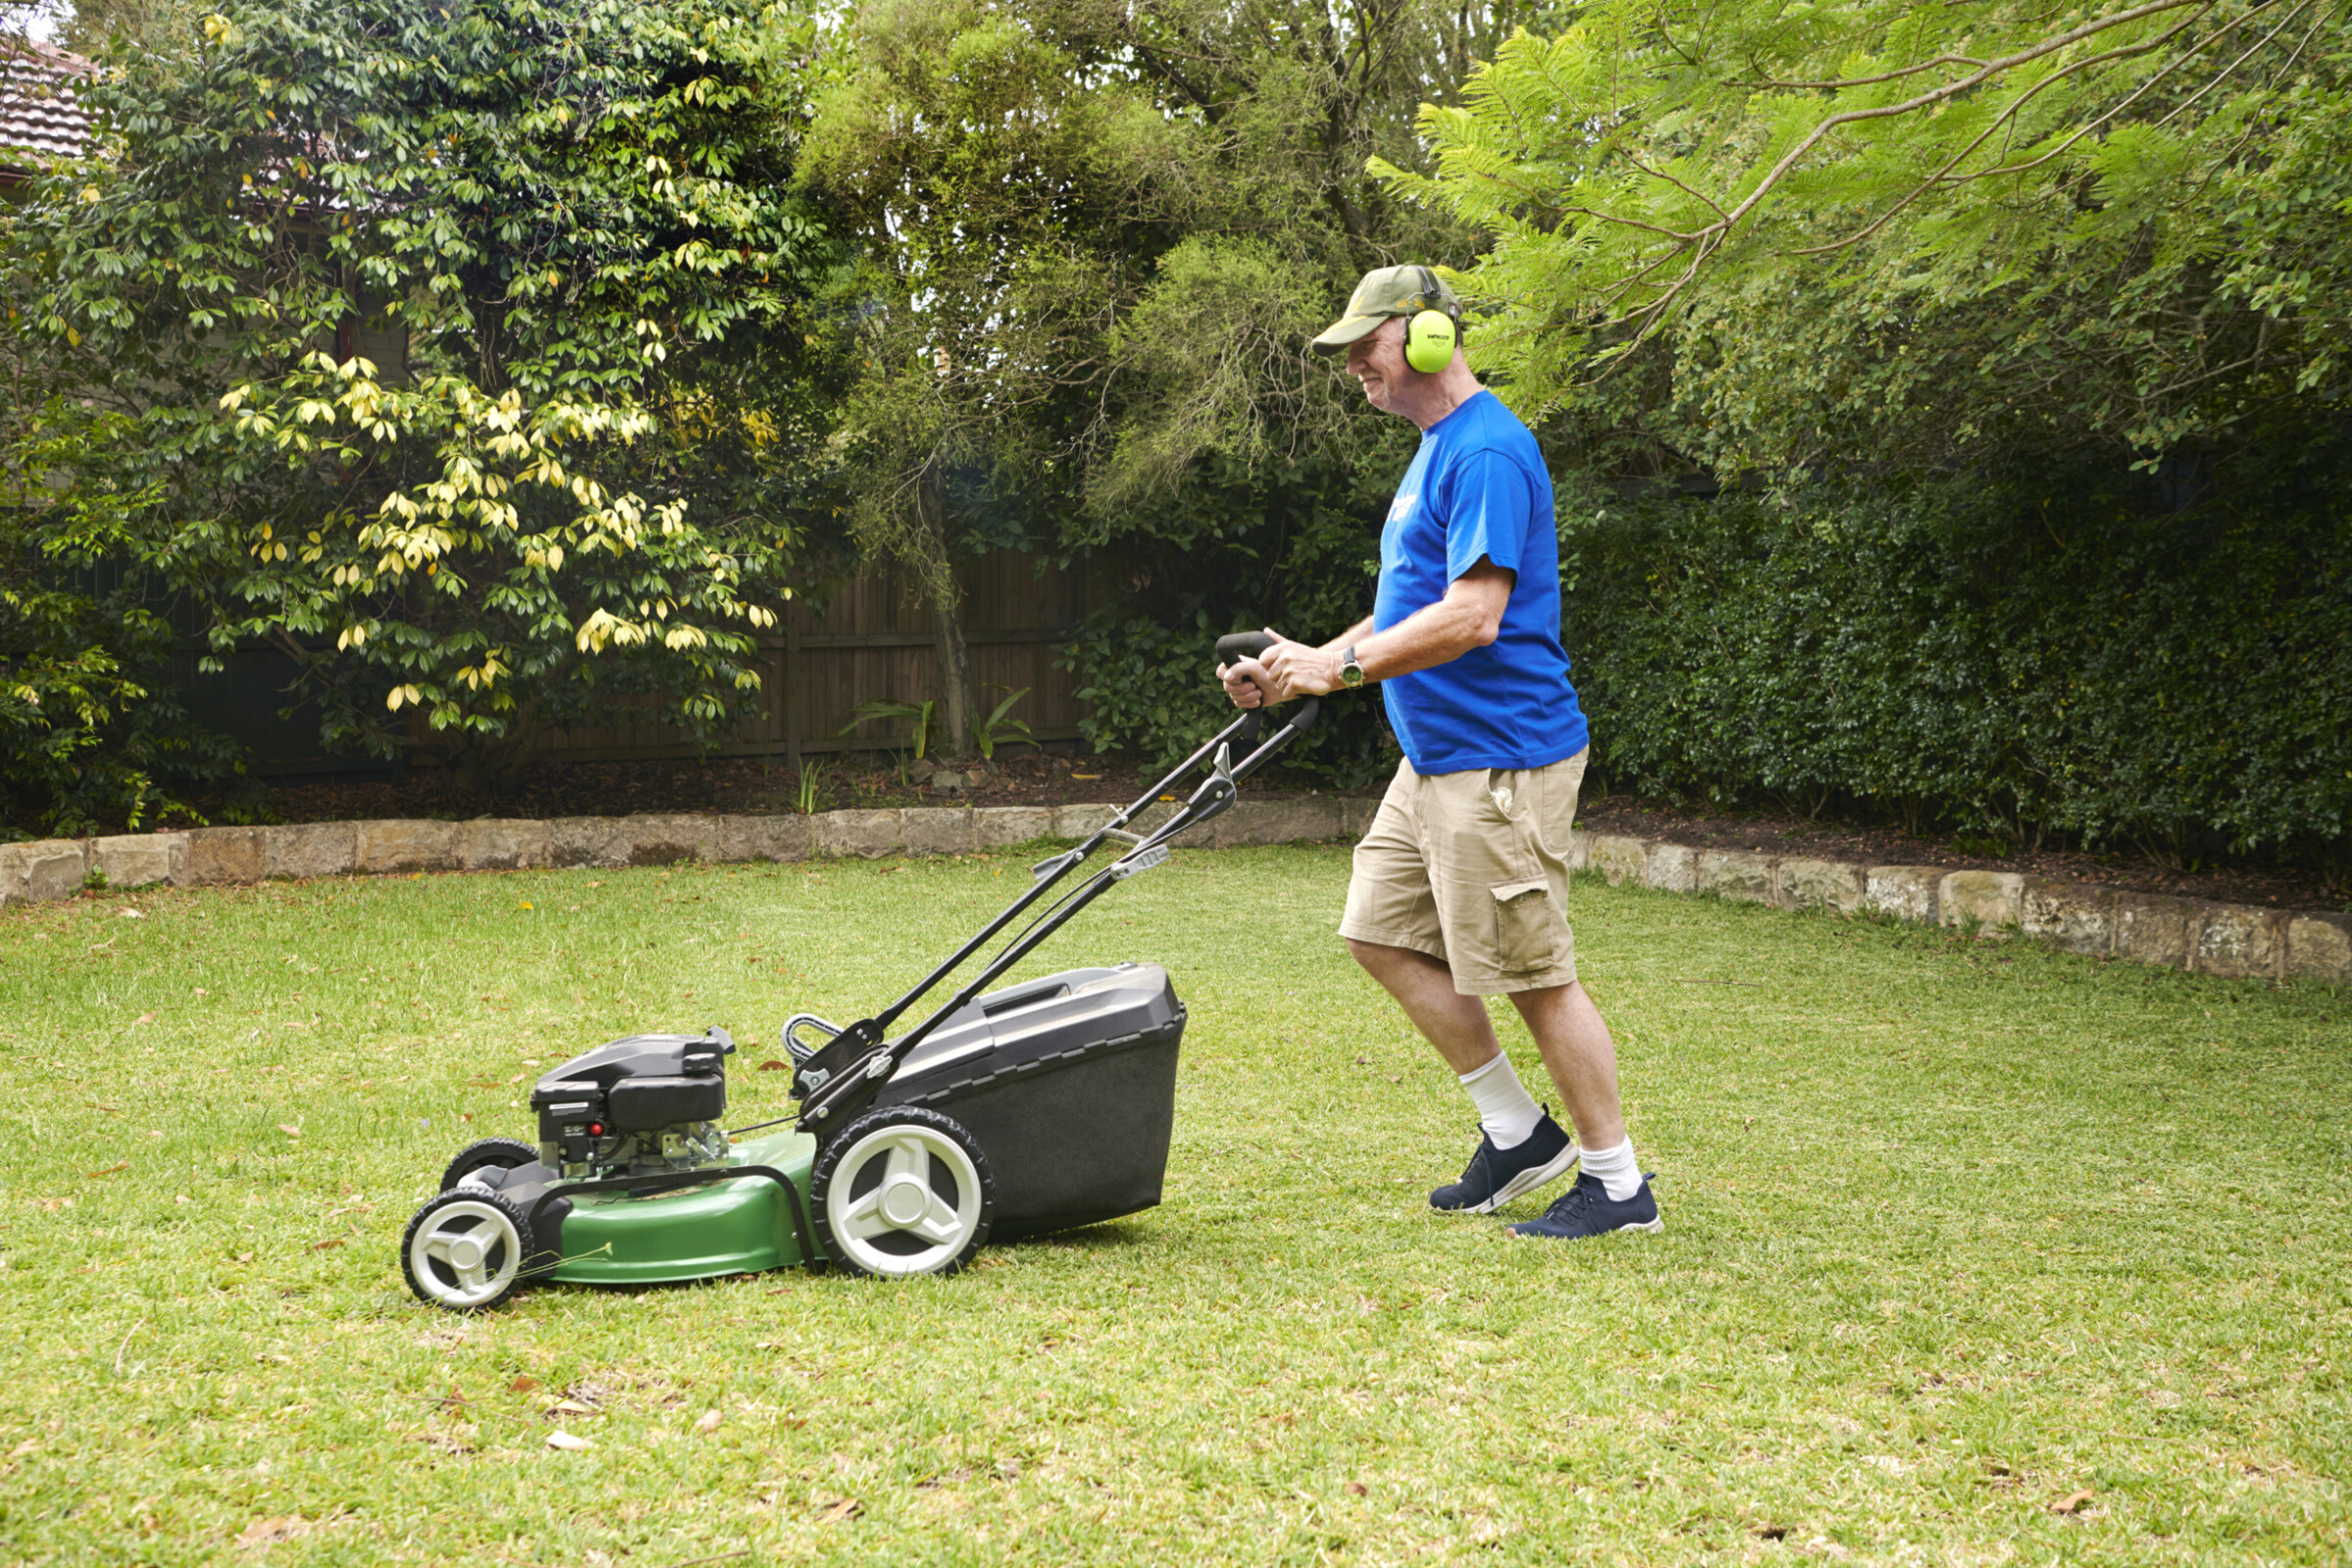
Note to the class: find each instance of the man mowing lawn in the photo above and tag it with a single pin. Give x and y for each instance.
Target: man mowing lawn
(1460, 888)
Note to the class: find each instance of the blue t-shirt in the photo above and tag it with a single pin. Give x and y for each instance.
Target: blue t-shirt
(1478, 488)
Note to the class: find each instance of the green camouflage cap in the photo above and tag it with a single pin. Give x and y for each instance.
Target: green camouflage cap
(1385, 292)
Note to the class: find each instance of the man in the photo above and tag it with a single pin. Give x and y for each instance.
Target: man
(1459, 888)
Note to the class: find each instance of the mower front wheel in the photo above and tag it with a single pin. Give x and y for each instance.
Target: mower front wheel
(467, 1250)
(499, 1153)
(902, 1191)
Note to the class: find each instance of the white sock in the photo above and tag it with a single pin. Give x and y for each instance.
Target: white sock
(1619, 1174)
(1504, 1111)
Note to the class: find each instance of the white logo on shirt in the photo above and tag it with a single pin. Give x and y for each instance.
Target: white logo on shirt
(1402, 506)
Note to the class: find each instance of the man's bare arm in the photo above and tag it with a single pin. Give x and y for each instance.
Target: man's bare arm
(1470, 615)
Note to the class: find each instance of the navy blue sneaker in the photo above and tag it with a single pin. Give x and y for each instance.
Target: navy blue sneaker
(1588, 1209)
(1497, 1175)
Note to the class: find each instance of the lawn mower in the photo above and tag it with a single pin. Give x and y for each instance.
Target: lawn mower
(1040, 1107)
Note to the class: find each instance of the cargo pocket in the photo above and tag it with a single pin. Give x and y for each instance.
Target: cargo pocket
(1526, 941)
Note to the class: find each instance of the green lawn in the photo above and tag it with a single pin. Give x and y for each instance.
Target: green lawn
(1955, 1236)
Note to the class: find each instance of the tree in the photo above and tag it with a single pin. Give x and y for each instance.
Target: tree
(989, 187)
(451, 350)
(1875, 232)
(91, 26)
(1098, 235)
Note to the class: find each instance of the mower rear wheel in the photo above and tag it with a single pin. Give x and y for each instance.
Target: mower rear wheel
(503, 1153)
(902, 1191)
(467, 1250)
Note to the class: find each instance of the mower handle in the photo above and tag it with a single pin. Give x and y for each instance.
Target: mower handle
(1242, 645)
(1232, 649)
(857, 1062)
(844, 1075)
(1239, 645)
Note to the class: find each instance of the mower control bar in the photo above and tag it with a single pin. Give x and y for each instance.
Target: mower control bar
(1140, 860)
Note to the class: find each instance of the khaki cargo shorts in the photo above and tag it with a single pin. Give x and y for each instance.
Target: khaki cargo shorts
(1472, 869)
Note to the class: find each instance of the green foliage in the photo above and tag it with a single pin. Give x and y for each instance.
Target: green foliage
(154, 27)
(2013, 655)
(989, 187)
(92, 736)
(1288, 548)
(803, 797)
(451, 353)
(1099, 236)
(920, 716)
(1874, 232)
(997, 728)
(91, 739)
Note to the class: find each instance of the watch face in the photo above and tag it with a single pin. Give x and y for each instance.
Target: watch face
(1352, 674)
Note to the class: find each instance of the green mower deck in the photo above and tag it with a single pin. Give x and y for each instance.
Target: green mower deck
(726, 1227)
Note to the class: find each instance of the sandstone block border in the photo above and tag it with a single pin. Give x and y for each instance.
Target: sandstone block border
(2225, 940)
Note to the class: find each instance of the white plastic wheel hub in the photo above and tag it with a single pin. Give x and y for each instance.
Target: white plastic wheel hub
(465, 1254)
(915, 1214)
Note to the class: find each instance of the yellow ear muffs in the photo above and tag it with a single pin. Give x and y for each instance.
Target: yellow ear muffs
(1429, 339)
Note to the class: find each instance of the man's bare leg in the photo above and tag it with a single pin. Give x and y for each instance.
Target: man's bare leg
(1457, 1025)
(1610, 1193)
(1581, 1057)
(1569, 1031)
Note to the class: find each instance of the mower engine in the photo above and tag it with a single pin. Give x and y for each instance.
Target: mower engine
(639, 1106)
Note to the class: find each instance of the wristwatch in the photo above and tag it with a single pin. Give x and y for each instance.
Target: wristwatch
(1352, 674)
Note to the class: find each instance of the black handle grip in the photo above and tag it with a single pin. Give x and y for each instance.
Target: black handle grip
(1234, 647)
(1239, 645)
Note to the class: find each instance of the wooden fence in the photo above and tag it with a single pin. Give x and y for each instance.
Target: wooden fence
(872, 642)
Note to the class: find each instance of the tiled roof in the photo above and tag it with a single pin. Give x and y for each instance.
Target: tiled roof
(39, 112)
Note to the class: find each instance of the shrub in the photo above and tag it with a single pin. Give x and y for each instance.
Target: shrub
(91, 738)
(2020, 655)
(1295, 549)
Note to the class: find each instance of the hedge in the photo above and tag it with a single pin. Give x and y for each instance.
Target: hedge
(2020, 655)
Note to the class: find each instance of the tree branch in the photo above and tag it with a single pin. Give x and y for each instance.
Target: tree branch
(1659, 174)
(2008, 115)
(1859, 81)
(1706, 241)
